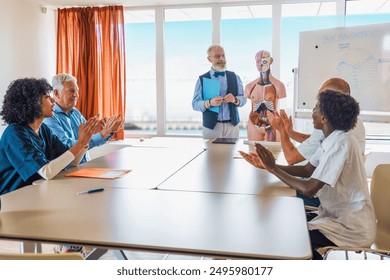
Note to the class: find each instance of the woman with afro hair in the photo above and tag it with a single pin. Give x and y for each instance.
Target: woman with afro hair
(28, 149)
(335, 174)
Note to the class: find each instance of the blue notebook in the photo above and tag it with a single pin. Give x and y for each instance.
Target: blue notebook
(211, 89)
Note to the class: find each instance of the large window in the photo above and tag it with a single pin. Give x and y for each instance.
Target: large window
(295, 19)
(141, 104)
(298, 17)
(244, 31)
(187, 37)
(184, 34)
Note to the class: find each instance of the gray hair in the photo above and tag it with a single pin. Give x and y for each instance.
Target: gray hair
(214, 46)
(59, 79)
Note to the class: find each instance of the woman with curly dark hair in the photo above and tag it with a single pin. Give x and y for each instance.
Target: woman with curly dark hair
(28, 149)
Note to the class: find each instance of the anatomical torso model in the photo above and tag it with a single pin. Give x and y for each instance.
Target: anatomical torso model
(264, 93)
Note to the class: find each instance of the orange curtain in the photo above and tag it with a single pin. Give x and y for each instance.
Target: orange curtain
(91, 47)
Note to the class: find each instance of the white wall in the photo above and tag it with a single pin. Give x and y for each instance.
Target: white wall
(28, 42)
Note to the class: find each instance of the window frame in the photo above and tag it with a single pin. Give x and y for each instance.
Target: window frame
(216, 8)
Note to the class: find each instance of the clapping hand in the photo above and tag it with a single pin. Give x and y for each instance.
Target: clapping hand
(99, 125)
(111, 125)
(265, 157)
(275, 120)
(252, 158)
(118, 124)
(287, 121)
(87, 130)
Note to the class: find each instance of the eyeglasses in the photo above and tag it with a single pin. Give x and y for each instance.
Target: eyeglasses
(217, 56)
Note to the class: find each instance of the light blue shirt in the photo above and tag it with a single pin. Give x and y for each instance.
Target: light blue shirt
(224, 111)
(66, 127)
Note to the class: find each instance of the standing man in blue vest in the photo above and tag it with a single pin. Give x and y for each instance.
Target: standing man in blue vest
(220, 113)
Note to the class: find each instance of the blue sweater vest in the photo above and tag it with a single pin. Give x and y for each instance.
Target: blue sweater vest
(210, 117)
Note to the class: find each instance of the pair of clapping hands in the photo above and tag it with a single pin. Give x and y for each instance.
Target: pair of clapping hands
(106, 126)
(94, 125)
(262, 158)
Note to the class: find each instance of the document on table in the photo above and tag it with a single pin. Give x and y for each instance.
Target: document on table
(102, 173)
(211, 89)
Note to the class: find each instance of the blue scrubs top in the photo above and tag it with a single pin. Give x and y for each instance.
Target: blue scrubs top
(23, 153)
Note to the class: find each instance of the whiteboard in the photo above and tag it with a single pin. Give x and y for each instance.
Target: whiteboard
(360, 55)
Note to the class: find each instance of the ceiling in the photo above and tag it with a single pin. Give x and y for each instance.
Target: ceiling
(361, 5)
(138, 3)
(253, 10)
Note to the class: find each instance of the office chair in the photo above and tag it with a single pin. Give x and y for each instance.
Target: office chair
(380, 195)
(32, 256)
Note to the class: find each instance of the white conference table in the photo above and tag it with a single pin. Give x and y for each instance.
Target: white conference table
(172, 142)
(220, 169)
(226, 195)
(207, 224)
(150, 166)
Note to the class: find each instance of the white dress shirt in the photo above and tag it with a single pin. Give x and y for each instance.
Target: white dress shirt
(311, 144)
(346, 215)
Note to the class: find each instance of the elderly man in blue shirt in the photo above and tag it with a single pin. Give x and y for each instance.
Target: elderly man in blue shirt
(223, 121)
(66, 120)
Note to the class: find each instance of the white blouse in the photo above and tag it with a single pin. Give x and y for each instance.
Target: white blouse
(346, 215)
(311, 144)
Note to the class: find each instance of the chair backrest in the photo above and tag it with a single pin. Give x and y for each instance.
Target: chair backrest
(380, 195)
(31, 256)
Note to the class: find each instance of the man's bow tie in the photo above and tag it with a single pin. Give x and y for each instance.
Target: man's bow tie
(216, 74)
